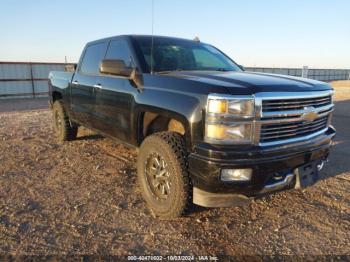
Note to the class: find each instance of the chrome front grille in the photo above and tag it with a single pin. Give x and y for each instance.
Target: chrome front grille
(275, 132)
(290, 117)
(295, 104)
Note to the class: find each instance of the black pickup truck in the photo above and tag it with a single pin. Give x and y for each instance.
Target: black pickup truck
(207, 132)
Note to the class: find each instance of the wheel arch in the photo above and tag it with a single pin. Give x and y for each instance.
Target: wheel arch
(154, 120)
(56, 96)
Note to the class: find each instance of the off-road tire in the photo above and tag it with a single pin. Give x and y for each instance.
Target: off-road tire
(62, 126)
(172, 148)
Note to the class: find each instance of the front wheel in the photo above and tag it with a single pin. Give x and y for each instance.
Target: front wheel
(163, 175)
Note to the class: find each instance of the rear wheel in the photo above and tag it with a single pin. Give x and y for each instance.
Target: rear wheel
(163, 175)
(62, 126)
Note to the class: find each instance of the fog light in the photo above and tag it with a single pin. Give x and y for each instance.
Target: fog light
(236, 174)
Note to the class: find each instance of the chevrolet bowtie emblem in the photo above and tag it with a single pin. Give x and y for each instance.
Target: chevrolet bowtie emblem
(310, 114)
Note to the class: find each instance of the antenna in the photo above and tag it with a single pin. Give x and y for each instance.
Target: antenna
(152, 43)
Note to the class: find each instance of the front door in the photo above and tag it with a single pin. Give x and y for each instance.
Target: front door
(83, 83)
(114, 96)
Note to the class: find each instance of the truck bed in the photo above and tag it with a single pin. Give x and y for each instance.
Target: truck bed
(60, 79)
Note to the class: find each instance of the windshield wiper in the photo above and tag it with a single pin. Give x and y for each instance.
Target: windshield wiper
(223, 70)
(178, 70)
(169, 71)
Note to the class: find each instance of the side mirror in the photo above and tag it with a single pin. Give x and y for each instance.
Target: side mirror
(115, 67)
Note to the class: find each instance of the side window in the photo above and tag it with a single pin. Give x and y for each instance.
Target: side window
(119, 49)
(92, 58)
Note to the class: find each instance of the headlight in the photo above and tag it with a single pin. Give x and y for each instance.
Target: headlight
(238, 107)
(244, 108)
(235, 133)
(217, 106)
(229, 119)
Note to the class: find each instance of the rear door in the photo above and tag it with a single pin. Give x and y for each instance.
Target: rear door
(84, 81)
(114, 98)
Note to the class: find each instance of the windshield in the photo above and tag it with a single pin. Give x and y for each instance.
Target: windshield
(183, 55)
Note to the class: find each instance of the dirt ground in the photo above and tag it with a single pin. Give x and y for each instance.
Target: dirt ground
(23, 104)
(81, 197)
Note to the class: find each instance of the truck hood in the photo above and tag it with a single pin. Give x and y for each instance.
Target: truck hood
(250, 83)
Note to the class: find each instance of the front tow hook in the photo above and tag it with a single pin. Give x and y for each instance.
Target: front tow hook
(278, 185)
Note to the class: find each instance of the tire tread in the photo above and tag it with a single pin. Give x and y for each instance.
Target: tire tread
(68, 132)
(178, 150)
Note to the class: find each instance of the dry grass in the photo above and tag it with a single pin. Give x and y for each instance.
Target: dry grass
(342, 83)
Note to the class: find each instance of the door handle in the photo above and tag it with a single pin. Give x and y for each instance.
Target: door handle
(75, 82)
(98, 86)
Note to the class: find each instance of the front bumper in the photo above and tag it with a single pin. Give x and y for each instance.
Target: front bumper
(206, 162)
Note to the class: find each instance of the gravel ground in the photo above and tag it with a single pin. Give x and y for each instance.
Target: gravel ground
(81, 197)
(22, 104)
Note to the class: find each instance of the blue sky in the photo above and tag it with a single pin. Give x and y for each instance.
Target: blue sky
(279, 33)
